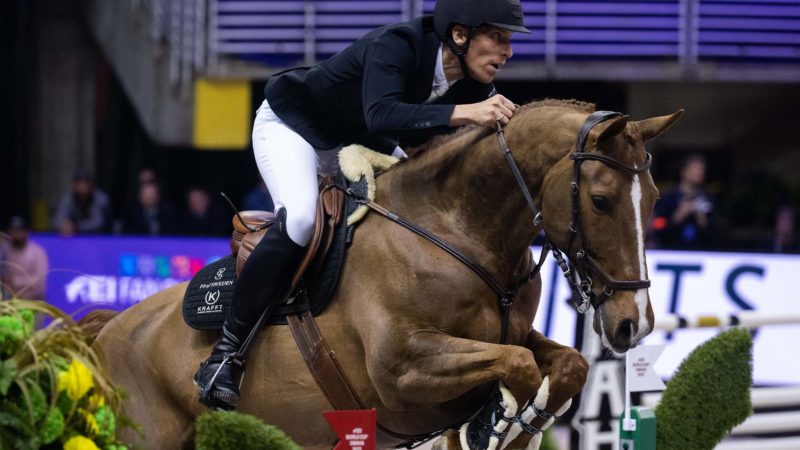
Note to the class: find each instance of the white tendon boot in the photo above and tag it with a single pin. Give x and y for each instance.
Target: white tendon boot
(487, 430)
(536, 408)
(496, 426)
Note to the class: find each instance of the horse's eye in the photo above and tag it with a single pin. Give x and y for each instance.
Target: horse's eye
(601, 203)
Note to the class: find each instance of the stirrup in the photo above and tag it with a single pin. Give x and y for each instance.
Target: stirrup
(210, 395)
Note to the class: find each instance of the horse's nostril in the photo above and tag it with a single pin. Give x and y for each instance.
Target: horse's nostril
(626, 330)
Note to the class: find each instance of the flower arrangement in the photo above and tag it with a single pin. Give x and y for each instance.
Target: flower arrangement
(54, 392)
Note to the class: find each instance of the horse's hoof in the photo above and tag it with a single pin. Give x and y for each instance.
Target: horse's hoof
(487, 429)
(447, 441)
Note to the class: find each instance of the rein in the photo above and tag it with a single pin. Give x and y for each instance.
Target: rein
(579, 278)
(505, 294)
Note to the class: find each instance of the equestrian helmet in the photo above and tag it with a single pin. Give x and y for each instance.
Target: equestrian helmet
(506, 14)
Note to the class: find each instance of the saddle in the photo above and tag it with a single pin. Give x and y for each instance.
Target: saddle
(249, 227)
(211, 290)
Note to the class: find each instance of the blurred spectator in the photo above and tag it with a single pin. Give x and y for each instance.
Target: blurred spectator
(203, 216)
(85, 209)
(683, 216)
(258, 199)
(784, 238)
(23, 263)
(147, 175)
(143, 176)
(151, 215)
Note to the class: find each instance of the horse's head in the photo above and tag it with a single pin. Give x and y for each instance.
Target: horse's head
(596, 204)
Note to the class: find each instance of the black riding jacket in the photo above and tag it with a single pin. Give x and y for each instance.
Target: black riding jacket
(372, 92)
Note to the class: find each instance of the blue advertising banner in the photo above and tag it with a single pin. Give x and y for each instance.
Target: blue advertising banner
(117, 272)
(95, 272)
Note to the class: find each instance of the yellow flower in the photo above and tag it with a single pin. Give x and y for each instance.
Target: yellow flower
(80, 443)
(91, 423)
(76, 380)
(96, 401)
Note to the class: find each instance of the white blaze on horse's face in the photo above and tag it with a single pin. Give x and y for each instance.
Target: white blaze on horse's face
(615, 203)
(641, 297)
(624, 321)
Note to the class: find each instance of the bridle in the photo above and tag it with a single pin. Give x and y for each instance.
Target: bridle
(579, 273)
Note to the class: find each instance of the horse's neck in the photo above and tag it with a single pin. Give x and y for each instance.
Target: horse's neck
(469, 195)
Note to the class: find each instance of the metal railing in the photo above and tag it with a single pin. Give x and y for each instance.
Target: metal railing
(182, 26)
(257, 37)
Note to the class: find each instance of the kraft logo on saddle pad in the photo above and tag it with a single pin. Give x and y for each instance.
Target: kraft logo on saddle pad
(355, 429)
(209, 294)
(212, 297)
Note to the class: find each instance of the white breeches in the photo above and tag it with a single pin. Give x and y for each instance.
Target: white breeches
(289, 166)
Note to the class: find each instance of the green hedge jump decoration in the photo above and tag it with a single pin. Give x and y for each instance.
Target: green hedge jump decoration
(709, 394)
(224, 430)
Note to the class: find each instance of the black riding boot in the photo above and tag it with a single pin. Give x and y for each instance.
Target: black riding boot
(265, 281)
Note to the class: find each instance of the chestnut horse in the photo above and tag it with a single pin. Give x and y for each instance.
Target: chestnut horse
(416, 331)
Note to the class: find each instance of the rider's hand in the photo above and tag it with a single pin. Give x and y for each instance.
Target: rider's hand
(485, 113)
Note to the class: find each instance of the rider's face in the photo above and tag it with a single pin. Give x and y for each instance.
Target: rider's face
(488, 51)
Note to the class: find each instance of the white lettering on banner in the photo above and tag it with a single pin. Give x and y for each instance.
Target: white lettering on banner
(692, 284)
(135, 289)
(700, 283)
(593, 437)
(92, 289)
(110, 290)
(604, 381)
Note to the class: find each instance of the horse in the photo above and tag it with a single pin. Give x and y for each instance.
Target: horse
(418, 334)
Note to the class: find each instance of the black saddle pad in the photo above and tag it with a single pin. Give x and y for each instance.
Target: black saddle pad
(209, 294)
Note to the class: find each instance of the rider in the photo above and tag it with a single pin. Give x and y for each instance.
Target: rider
(409, 79)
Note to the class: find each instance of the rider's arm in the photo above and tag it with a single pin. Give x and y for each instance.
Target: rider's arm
(390, 60)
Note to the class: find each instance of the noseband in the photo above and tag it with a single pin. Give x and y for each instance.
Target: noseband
(579, 273)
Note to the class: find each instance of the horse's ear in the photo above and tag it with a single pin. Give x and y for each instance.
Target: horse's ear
(654, 126)
(611, 128)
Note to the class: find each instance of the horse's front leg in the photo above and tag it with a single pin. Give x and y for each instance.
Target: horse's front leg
(431, 368)
(564, 370)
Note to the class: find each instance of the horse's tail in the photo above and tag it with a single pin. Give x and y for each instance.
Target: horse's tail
(93, 322)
